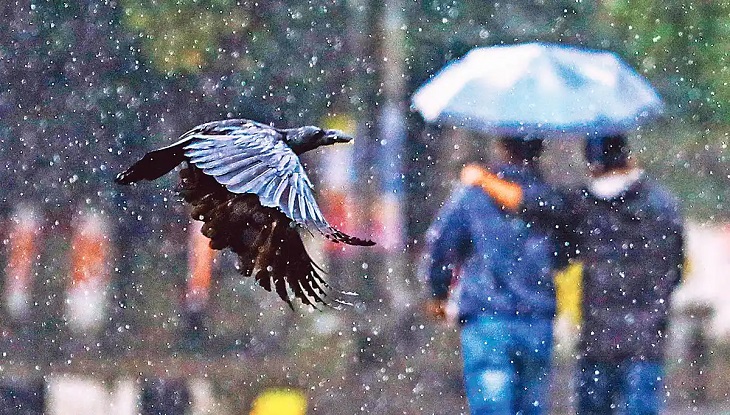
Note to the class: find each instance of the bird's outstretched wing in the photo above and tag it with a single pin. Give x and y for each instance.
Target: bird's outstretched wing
(248, 157)
(268, 248)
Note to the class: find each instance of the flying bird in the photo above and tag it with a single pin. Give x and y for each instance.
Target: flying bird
(244, 180)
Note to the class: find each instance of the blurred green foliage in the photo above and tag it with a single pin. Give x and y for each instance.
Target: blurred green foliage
(682, 46)
(183, 35)
(694, 162)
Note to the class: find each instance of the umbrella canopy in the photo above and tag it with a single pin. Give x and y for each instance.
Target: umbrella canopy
(538, 88)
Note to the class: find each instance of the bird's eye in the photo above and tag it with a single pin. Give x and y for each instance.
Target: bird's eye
(319, 134)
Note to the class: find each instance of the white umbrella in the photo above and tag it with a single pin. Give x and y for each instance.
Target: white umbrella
(538, 88)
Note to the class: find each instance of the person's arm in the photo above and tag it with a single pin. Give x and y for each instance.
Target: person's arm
(669, 238)
(536, 202)
(447, 247)
(507, 194)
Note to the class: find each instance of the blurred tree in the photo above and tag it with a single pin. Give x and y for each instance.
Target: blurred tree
(681, 46)
(270, 61)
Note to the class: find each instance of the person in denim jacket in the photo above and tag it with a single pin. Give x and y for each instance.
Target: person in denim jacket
(506, 302)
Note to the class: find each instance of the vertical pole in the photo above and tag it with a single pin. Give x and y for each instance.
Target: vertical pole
(365, 90)
(377, 38)
(391, 147)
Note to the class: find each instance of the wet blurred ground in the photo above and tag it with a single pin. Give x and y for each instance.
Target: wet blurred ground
(328, 371)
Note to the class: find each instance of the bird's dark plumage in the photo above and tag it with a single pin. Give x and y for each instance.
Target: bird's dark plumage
(245, 181)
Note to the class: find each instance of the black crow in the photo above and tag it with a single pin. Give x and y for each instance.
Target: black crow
(245, 181)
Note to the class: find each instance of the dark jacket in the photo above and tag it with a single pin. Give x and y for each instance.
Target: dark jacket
(505, 264)
(632, 255)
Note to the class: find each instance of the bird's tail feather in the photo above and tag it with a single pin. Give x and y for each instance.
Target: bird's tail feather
(153, 165)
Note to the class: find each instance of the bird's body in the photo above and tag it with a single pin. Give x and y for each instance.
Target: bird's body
(245, 182)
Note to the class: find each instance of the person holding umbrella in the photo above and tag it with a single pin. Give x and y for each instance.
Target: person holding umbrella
(628, 233)
(506, 297)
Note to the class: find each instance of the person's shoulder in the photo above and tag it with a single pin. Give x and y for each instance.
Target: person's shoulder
(460, 192)
(473, 199)
(660, 196)
(463, 195)
(463, 202)
(471, 194)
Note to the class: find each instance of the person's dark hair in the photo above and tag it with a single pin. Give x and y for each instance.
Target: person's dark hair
(610, 152)
(523, 148)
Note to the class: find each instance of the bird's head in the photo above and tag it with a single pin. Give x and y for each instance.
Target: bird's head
(310, 137)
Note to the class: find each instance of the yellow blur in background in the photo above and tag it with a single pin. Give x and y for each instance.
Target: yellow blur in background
(569, 291)
(280, 402)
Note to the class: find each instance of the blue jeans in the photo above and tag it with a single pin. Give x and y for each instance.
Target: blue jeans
(507, 364)
(627, 388)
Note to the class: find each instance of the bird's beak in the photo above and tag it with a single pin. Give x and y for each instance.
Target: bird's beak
(337, 136)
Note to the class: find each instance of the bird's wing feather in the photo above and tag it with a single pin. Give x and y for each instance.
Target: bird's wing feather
(250, 157)
(269, 250)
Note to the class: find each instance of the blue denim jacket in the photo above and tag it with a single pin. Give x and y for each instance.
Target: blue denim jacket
(505, 264)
